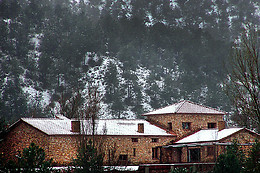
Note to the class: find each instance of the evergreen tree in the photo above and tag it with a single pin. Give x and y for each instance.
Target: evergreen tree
(231, 161)
(33, 160)
(114, 92)
(252, 164)
(44, 45)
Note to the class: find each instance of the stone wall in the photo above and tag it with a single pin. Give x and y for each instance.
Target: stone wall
(242, 137)
(173, 155)
(20, 137)
(137, 152)
(197, 121)
(63, 149)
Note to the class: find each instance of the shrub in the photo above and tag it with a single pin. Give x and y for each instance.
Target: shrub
(231, 161)
(33, 160)
(252, 164)
(179, 170)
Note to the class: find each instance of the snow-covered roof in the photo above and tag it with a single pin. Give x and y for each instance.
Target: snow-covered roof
(208, 135)
(185, 107)
(53, 126)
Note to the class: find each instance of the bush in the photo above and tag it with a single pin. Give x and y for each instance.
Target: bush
(231, 161)
(252, 164)
(33, 160)
(179, 170)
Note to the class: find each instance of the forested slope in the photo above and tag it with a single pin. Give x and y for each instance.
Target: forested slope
(142, 54)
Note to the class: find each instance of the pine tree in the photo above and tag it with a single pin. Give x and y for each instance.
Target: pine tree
(33, 160)
(252, 164)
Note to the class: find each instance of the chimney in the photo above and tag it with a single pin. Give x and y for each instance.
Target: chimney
(75, 126)
(140, 128)
(221, 125)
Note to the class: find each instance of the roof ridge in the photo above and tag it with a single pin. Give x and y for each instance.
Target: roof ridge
(160, 108)
(208, 107)
(40, 118)
(179, 107)
(123, 119)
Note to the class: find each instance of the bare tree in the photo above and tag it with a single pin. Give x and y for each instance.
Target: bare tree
(91, 110)
(83, 106)
(243, 81)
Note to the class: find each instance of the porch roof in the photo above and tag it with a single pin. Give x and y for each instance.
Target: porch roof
(208, 135)
(203, 144)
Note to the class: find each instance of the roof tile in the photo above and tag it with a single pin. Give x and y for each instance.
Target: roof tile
(53, 126)
(187, 107)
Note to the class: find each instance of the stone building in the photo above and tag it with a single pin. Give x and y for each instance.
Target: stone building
(122, 141)
(201, 133)
(182, 132)
(185, 117)
(206, 145)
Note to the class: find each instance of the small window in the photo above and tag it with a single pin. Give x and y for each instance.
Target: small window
(186, 125)
(122, 157)
(170, 125)
(194, 155)
(134, 152)
(155, 153)
(155, 139)
(134, 139)
(210, 150)
(212, 125)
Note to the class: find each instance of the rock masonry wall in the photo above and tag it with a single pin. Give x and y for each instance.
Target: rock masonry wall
(197, 121)
(21, 137)
(63, 148)
(137, 152)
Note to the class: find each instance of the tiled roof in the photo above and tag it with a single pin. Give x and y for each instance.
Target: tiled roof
(103, 127)
(187, 107)
(208, 135)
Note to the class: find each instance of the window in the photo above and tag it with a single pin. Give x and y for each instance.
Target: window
(194, 155)
(155, 139)
(170, 125)
(212, 125)
(122, 157)
(155, 153)
(186, 125)
(134, 152)
(210, 150)
(134, 139)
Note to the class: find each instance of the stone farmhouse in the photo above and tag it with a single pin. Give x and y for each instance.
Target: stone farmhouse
(201, 133)
(122, 141)
(179, 133)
